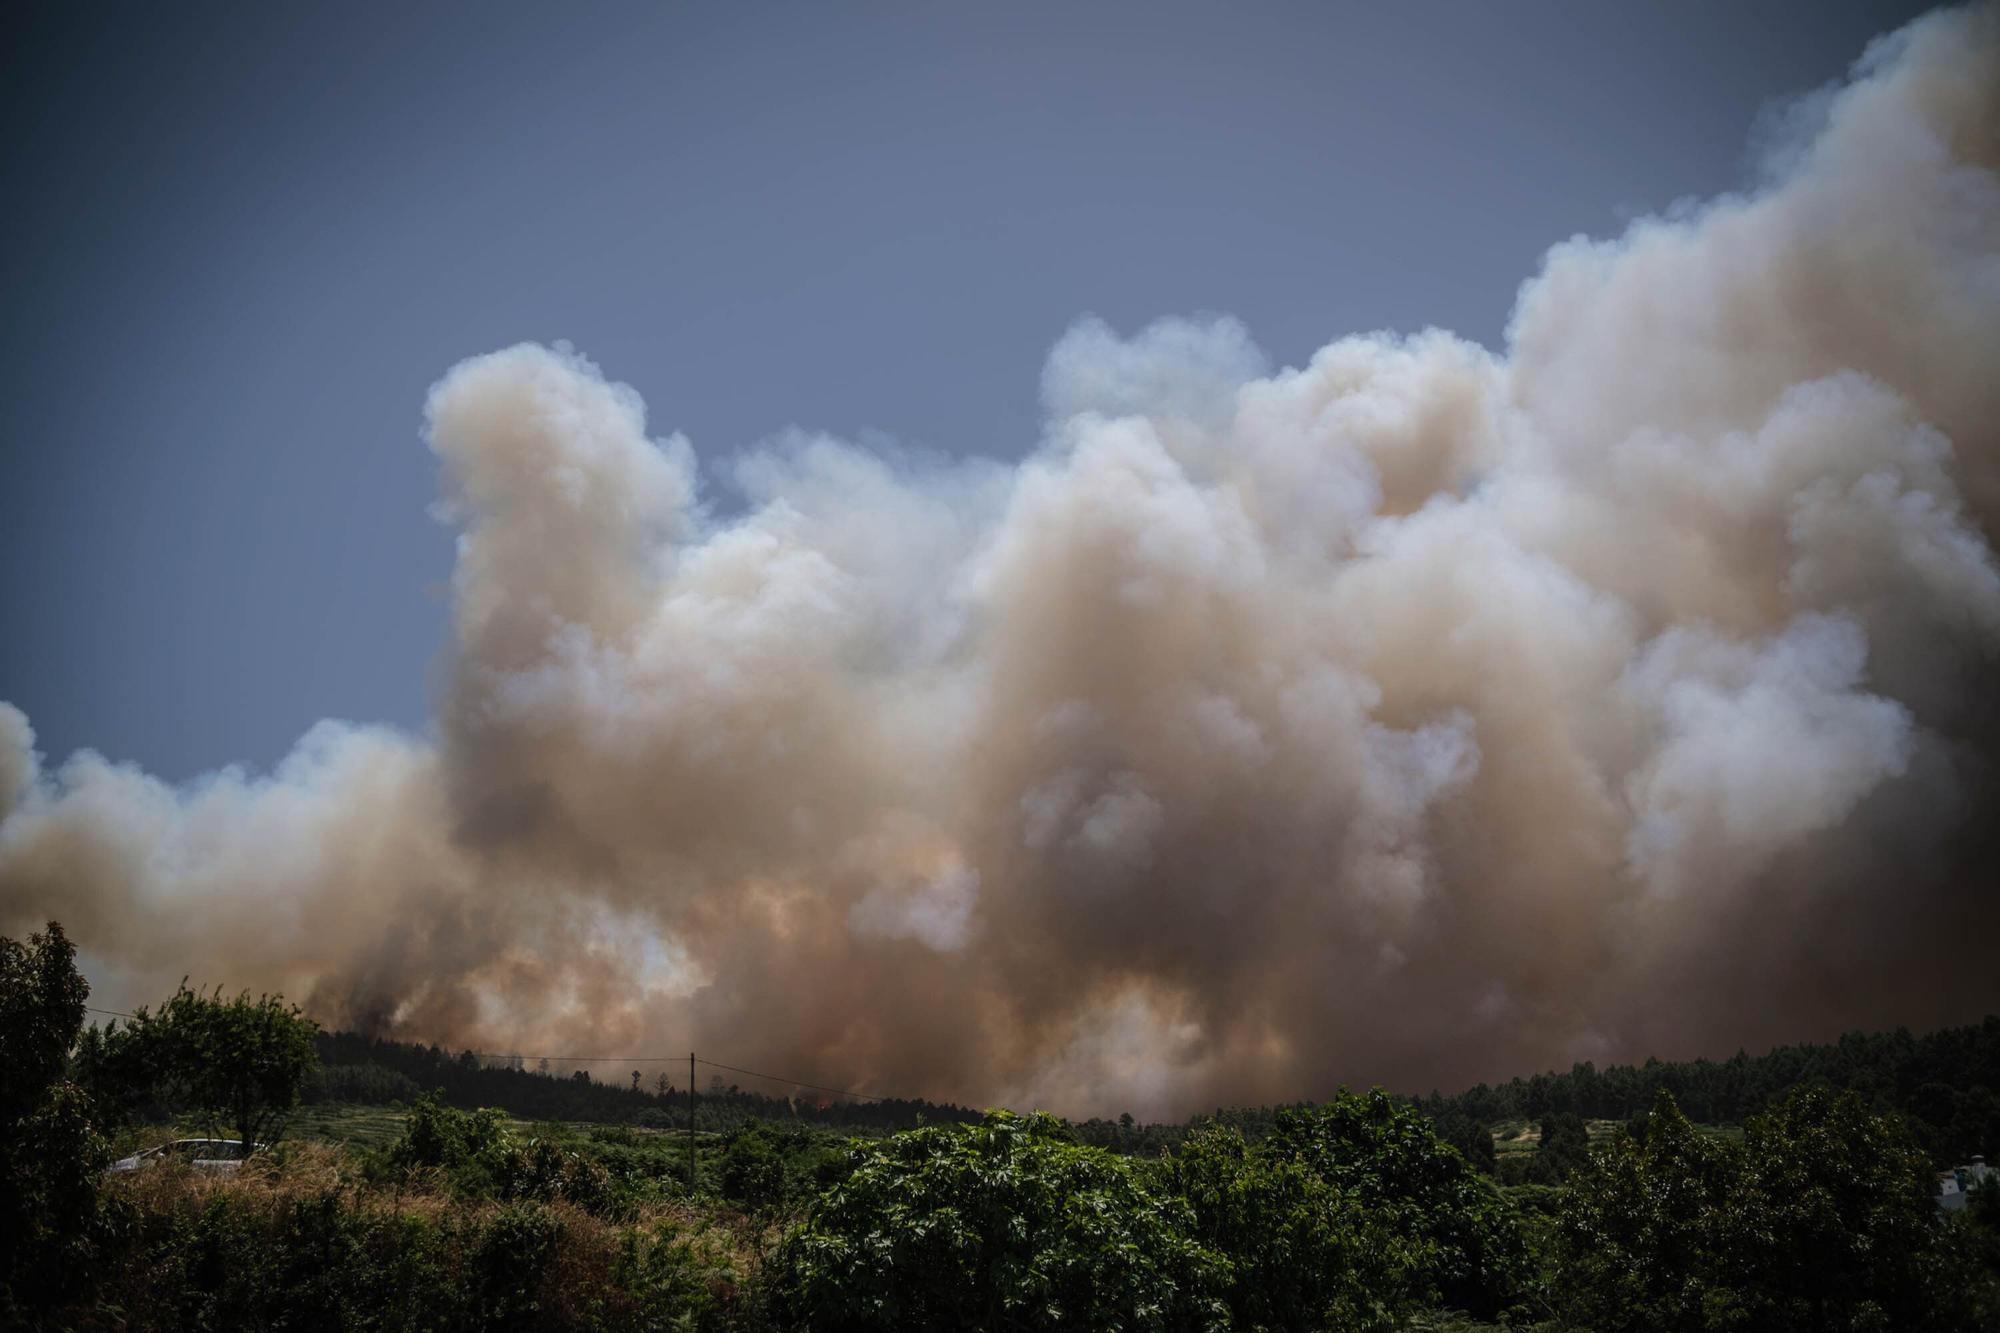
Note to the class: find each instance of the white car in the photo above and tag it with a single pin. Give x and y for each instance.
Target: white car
(201, 1154)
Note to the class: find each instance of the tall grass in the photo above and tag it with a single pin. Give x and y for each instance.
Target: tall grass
(303, 1238)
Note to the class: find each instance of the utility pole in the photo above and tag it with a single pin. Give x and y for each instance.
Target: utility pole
(690, 1125)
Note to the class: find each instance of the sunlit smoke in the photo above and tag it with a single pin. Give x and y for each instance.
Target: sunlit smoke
(1419, 715)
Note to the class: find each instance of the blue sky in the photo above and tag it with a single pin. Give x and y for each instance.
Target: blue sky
(241, 242)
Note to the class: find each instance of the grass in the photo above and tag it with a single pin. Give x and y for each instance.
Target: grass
(707, 1242)
(352, 1126)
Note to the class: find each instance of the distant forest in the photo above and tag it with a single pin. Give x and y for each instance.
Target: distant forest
(355, 1068)
(1944, 1082)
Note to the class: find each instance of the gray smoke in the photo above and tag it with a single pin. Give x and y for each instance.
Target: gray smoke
(1418, 715)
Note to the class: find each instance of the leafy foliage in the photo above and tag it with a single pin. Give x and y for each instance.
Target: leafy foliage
(1948, 1081)
(240, 1062)
(1348, 1215)
(1472, 1139)
(41, 1009)
(1303, 1254)
(323, 1258)
(1563, 1146)
(753, 1173)
(477, 1153)
(1003, 1225)
(50, 1147)
(1365, 1212)
(1823, 1218)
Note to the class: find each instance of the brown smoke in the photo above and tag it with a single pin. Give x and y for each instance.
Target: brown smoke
(1416, 716)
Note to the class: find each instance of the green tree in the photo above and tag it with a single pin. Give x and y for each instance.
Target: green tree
(50, 1149)
(1833, 1224)
(1637, 1231)
(1462, 1237)
(753, 1172)
(1564, 1146)
(1003, 1225)
(1350, 1215)
(240, 1062)
(1472, 1139)
(1822, 1219)
(1303, 1253)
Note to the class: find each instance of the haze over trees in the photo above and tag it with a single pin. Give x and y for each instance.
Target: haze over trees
(1354, 1213)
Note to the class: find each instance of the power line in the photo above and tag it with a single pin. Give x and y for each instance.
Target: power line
(775, 1078)
(91, 1008)
(580, 1059)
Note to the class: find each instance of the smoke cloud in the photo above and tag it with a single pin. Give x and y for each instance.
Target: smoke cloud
(1418, 715)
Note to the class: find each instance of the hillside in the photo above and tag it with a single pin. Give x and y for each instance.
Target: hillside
(1946, 1084)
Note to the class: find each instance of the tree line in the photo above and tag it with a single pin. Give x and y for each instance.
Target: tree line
(1946, 1083)
(1943, 1082)
(1354, 1213)
(363, 1069)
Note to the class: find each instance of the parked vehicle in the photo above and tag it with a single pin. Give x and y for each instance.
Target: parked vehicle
(201, 1154)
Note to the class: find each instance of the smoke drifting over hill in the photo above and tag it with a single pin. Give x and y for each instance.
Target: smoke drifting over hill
(1414, 716)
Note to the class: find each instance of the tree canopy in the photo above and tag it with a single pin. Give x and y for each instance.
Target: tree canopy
(1822, 1218)
(239, 1061)
(1003, 1225)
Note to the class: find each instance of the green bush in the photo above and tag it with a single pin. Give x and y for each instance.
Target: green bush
(51, 1149)
(1472, 1139)
(1348, 1215)
(1001, 1225)
(477, 1153)
(545, 1171)
(1823, 1218)
(672, 1280)
(447, 1139)
(510, 1263)
(753, 1173)
(1302, 1253)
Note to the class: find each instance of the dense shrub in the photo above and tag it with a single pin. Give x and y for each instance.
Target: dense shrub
(309, 1261)
(1002, 1225)
(509, 1265)
(1564, 1145)
(673, 1280)
(1472, 1139)
(1348, 1215)
(50, 1147)
(1302, 1253)
(1823, 1218)
(753, 1173)
(543, 1170)
(274, 1250)
(481, 1158)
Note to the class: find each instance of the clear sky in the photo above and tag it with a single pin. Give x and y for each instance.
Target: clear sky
(240, 242)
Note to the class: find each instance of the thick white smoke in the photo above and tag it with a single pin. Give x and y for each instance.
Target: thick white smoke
(1418, 715)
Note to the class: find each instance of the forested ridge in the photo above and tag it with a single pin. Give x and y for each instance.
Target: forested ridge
(1946, 1083)
(419, 1189)
(363, 1069)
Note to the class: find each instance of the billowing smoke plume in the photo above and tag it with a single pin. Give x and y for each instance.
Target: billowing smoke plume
(1419, 715)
